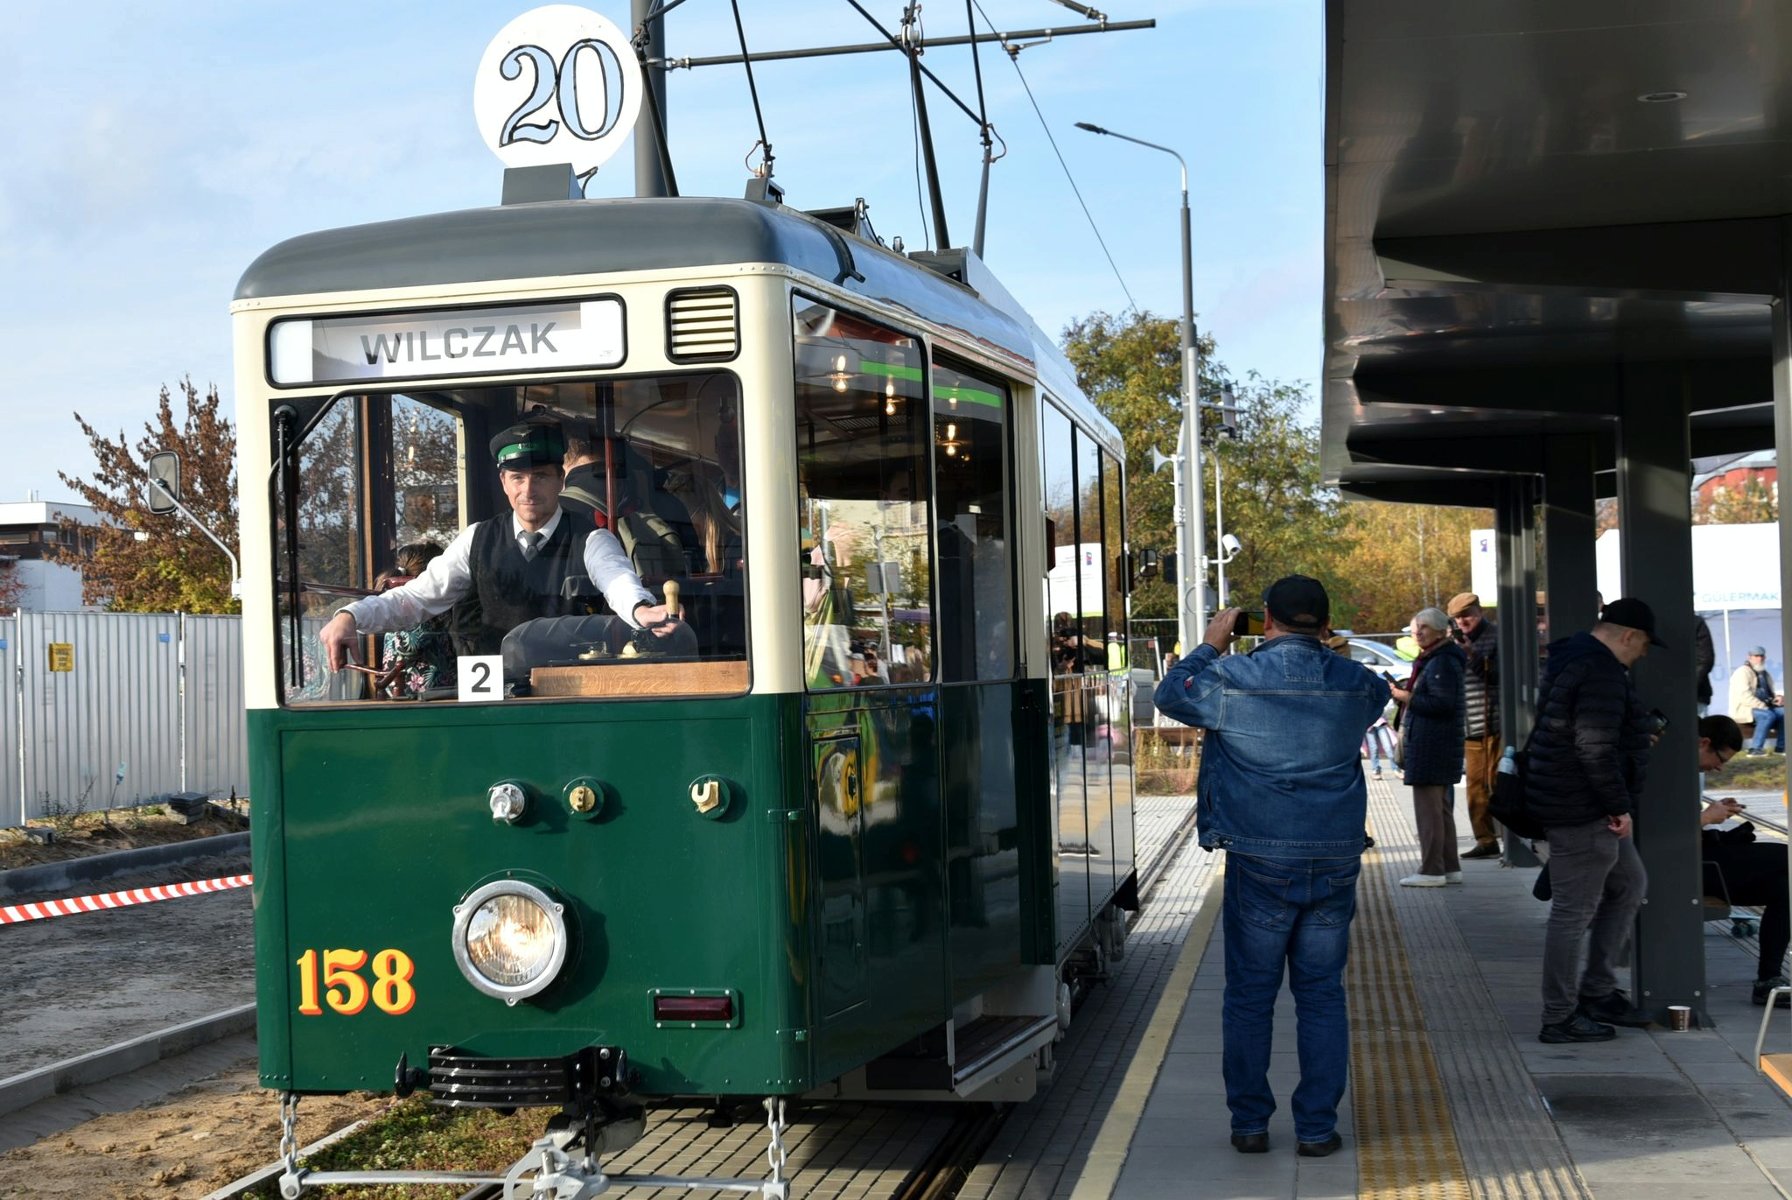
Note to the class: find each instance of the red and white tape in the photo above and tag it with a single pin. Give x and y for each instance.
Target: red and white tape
(13, 914)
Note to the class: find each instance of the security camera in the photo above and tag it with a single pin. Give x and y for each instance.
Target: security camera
(1230, 543)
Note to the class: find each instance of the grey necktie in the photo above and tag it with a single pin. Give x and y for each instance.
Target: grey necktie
(531, 543)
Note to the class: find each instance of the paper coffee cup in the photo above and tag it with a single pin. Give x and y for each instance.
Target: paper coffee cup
(1679, 1018)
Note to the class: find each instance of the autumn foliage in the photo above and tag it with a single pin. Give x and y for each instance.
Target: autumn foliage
(143, 562)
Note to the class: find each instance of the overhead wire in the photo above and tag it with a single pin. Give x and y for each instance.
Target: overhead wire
(1014, 57)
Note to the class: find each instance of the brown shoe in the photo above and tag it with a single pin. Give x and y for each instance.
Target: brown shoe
(1492, 851)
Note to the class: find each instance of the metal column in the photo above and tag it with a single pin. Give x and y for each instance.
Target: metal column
(1569, 532)
(650, 179)
(1655, 525)
(1516, 553)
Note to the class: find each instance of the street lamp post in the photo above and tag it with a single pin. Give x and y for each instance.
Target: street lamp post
(1191, 535)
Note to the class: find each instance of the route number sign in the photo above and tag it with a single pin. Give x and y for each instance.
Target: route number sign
(560, 84)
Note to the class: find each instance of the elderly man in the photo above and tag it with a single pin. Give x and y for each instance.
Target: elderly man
(1281, 791)
(1481, 688)
(1753, 698)
(534, 561)
(1587, 757)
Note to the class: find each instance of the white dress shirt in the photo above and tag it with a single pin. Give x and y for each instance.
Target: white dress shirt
(448, 579)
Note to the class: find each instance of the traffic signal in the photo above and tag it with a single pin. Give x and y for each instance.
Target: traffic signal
(1166, 565)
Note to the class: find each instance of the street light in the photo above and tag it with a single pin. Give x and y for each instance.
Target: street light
(1191, 536)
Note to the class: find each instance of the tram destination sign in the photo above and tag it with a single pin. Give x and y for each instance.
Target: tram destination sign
(471, 341)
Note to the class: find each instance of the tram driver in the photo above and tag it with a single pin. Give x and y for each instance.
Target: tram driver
(535, 561)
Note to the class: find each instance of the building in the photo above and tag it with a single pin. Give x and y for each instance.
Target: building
(31, 532)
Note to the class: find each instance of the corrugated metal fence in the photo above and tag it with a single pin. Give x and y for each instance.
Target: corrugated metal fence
(105, 709)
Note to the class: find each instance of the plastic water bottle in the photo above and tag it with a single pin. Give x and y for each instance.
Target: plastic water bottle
(1509, 761)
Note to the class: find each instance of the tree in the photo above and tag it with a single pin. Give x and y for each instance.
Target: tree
(1274, 502)
(142, 562)
(1400, 558)
(1754, 502)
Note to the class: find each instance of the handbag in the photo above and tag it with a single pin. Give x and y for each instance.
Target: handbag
(1509, 803)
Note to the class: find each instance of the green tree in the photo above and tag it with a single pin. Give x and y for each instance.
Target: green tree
(1274, 502)
(142, 562)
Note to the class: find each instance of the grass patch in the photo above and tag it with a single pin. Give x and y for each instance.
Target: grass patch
(1162, 768)
(415, 1135)
(1743, 774)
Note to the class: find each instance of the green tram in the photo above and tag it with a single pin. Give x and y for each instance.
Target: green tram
(863, 842)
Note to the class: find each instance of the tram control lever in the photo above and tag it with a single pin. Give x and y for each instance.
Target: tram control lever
(673, 608)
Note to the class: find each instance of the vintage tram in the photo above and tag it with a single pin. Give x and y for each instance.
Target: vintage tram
(860, 841)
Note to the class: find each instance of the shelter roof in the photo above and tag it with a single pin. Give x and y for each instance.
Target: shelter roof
(1526, 203)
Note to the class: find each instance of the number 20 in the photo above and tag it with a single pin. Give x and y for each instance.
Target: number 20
(561, 79)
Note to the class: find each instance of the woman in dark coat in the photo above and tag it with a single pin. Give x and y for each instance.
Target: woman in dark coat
(1431, 725)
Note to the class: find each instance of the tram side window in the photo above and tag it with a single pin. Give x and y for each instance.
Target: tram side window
(1092, 564)
(1073, 580)
(976, 562)
(1113, 523)
(862, 439)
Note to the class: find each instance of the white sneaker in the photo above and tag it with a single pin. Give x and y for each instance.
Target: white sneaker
(1424, 881)
(1452, 876)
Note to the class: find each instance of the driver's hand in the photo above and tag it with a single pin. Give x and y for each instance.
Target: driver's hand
(655, 619)
(338, 637)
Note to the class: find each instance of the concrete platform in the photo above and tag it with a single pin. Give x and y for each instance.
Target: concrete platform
(1452, 1095)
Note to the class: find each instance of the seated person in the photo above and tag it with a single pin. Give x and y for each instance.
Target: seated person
(648, 535)
(534, 561)
(415, 660)
(1740, 869)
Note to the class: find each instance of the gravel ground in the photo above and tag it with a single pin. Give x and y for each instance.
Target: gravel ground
(81, 983)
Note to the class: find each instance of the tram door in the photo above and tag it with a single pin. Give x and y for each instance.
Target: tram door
(1091, 771)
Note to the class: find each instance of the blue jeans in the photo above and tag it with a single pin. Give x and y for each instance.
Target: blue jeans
(1378, 741)
(1296, 912)
(1770, 720)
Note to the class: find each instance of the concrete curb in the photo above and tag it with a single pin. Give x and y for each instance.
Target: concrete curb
(57, 1078)
(60, 876)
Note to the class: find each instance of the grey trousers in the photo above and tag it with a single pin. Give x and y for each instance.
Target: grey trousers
(1598, 883)
(1434, 811)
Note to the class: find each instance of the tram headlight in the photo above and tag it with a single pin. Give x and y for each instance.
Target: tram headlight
(509, 939)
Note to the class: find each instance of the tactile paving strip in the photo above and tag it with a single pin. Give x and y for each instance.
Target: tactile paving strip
(1508, 1144)
(1406, 1142)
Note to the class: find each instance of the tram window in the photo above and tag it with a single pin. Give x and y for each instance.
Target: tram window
(656, 460)
(862, 434)
(1066, 582)
(1113, 526)
(976, 565)
(1092, 565)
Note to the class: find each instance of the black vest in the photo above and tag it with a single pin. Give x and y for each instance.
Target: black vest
(509, 589)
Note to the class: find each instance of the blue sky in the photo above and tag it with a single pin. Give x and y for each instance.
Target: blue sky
(155, 149)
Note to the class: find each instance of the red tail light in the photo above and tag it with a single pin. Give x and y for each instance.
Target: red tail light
(693, 1008)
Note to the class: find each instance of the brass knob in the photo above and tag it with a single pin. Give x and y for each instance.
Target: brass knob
(582, 799)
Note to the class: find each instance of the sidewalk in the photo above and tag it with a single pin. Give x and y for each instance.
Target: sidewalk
(1452, 1094)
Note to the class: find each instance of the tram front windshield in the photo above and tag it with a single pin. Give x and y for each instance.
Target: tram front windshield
(392, 502)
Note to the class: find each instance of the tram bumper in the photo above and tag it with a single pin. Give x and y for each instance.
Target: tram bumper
(457, 1079)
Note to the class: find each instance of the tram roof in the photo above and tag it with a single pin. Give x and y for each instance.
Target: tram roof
(591, 237)
(1519, 211)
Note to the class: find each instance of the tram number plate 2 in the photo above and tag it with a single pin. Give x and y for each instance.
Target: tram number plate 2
(335, 979)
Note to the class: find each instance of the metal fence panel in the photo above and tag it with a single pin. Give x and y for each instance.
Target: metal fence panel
(12, 803)
(115, 709)
(216, 738)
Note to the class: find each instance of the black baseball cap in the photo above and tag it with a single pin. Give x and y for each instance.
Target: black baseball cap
(1632, 614)
(1298, 603)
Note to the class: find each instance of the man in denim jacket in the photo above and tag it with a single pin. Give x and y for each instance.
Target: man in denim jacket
(1281, 790)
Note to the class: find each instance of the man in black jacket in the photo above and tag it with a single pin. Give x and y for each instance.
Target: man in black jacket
(1586, 764)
